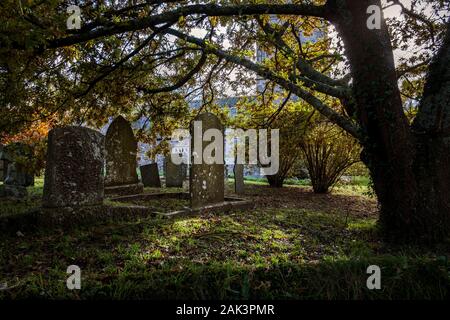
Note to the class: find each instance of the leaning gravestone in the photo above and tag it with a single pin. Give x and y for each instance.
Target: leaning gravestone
(206, 180)
(121, 150)
(175, 173)
(74, 168)
(238, 178)
(150, 175)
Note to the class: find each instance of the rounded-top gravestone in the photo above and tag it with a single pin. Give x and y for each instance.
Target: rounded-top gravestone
(121, 150)
(174, 173)
(74, 168)
(207, 161)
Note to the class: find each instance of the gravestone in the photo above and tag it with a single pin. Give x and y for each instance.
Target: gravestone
(175, 173)
(206, 181)
(239, 178)
(74, 168)
(150, 175)
(121, 150)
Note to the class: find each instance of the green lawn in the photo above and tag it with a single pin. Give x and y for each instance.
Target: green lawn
(294, 245)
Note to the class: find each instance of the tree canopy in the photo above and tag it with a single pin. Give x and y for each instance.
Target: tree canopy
(142, 55)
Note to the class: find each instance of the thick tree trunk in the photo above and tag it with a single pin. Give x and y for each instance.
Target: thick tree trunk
(409, 173)
(276, 181)
(432, 137)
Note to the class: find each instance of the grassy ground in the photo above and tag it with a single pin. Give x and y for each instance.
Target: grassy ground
(294, 244)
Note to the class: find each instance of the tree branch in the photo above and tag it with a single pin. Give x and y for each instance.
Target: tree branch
(173, 16)
(313, 79)
(262, 71)
(434, 109)
(181, 82)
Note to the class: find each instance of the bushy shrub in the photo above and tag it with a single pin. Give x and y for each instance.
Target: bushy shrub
(328, 152)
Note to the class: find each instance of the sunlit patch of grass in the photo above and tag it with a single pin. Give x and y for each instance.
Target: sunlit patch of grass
(350, 190)
(189, 226)
(38, 188)
(163, 190)
(362, 225)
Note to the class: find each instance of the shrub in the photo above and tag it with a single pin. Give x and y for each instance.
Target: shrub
(328, 152)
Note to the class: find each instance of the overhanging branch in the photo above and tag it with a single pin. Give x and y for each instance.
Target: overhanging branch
(262, 71)
(112, 28)
(181, 82)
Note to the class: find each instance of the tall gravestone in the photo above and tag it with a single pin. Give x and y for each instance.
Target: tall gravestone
(175, 173)
(121, 150)
(74, 168)
(150, 175)
(206, 181)
(238, 178)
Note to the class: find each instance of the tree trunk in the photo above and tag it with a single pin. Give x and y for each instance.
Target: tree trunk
(276, 180)
(431, 129)
(410, 173)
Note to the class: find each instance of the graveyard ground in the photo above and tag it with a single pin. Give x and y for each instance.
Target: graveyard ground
(293, 244)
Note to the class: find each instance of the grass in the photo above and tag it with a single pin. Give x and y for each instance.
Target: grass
(358, 185)
(159, 205)
(293, 245)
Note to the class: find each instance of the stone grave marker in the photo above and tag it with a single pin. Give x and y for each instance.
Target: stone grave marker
(239, 178)
(74, 169)
(175, 173)
(121, 150)
(206, 181)
(150, 175)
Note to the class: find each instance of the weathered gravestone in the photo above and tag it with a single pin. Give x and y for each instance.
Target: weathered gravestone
(206, 181)
(74, 168)
(150, 175)
(121, 150)
(238, 178)
(175, 173)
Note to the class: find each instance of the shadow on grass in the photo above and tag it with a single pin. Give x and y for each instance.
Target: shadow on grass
(401, 279)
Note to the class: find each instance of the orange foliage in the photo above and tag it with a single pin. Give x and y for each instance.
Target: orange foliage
(30, 136)
(35, 136)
